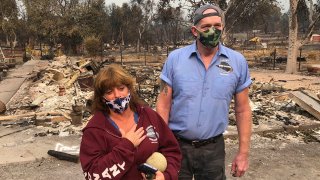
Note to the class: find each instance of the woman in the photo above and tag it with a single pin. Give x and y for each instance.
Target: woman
(123, 133)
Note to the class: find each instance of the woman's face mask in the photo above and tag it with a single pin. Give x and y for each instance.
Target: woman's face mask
(119, 105)
(209, 38)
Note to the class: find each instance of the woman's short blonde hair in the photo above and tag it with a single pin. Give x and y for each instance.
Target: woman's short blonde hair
(108, 78)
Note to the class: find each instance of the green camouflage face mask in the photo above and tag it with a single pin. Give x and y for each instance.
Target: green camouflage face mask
(209, 38)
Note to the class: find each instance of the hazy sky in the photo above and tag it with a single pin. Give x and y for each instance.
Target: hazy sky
(283, 3)
(117, 2)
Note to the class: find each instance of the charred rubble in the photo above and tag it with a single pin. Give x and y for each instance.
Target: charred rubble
(58, 98)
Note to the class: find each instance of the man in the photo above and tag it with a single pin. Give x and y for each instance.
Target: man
(198, 84)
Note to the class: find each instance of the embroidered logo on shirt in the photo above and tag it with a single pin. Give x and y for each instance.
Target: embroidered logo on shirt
(152, 134)
(224, 67)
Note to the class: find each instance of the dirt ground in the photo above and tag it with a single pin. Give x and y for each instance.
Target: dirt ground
(288, 81)
(284, 158)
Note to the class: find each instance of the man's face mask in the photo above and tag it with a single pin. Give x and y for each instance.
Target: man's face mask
(119, 105)
(209, 38)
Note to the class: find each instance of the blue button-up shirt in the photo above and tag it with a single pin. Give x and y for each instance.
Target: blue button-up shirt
(201, 98)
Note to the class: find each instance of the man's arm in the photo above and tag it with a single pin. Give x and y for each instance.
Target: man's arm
(243, 119)
(163, 104)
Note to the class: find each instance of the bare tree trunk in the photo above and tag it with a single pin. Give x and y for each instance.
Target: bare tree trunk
(139, 40)
(15, 40)
(138, 45)
(291, 67)
(122, 40)
(224, 36)
(310, 11)
(7, 40)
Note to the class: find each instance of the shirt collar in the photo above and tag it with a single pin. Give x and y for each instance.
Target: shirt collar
(221, 51)
(193, 48)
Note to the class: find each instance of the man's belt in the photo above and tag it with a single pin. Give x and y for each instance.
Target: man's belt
(199, 143)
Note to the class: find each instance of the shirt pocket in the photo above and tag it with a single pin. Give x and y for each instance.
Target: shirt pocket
(223, 87)
(185, 93)
(188, 88)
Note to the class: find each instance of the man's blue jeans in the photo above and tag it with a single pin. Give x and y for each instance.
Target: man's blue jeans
(204, 162)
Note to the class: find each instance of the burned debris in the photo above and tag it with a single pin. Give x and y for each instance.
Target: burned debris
(275, 110)
(59, 96)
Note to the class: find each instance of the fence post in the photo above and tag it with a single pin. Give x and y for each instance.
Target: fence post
(40, 49)
(274, 58)
(121, 54)
(101, 53)
(300, 49)
(145, 57)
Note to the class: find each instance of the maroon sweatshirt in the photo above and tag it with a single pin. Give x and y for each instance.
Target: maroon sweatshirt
(104, 154)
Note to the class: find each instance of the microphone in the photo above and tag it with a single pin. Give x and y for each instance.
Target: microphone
(158, 161)
(154, 163)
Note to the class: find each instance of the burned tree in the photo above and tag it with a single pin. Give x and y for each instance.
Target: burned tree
(8, 21)
(294, 42)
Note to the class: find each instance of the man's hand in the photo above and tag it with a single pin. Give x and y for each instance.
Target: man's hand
(133, 135)
(239, 165)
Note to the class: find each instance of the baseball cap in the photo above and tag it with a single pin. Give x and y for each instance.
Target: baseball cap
(198, 14)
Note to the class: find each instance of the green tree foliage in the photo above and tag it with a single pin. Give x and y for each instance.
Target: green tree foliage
(241, 16)
(65, 21)
(40, 19)
(116, 23)
(92, 18)
(284, 21)
(317, 10)
(138, 22)
(303, 16)
(8, 9)
(145, 21)
(8, 20)
(248, 15)
(92, 45)
(169, 22)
